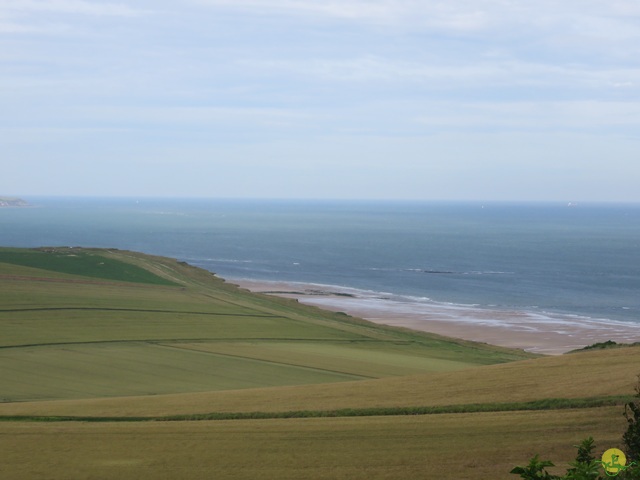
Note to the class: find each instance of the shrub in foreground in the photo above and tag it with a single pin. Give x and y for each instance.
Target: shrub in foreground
(586, 466)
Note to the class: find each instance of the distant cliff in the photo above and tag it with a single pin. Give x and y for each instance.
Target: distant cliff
(13, 202)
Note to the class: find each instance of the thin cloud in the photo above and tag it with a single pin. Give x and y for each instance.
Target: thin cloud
(199, 115)
(54, 17)
(452, 74)
(81, 7)
(552, 116)
(462, 15)
(388, 12)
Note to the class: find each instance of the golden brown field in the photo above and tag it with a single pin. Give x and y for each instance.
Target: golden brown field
(459, 446)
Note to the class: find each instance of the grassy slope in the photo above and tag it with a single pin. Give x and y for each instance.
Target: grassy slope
(449, 446)
(138, 325)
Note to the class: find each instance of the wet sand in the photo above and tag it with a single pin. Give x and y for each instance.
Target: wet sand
(544, 333)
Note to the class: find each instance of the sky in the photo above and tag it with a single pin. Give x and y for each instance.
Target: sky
(506, 100)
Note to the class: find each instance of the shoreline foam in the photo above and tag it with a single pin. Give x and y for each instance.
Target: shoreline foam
(536, 332)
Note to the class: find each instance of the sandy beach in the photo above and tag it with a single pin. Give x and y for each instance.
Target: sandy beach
(537, 332)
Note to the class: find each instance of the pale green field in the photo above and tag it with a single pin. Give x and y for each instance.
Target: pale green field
(86, 371)
(361, 358)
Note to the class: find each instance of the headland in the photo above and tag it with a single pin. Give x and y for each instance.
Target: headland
(13, 202)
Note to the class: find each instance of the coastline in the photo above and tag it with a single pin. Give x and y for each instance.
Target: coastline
(536, 332)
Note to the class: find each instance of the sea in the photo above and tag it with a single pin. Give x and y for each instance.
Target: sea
(546, 260)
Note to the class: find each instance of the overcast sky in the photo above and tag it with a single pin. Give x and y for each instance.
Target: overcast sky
(388, 99)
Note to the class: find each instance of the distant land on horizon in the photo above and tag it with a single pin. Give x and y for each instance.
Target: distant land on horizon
(13, 202)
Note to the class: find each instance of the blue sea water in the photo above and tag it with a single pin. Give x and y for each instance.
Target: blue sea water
(582, 260)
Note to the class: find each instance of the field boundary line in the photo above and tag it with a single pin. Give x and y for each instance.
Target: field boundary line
(263, 360)
(166, 341)
(535, 405)
(142, 310)
(106, 282)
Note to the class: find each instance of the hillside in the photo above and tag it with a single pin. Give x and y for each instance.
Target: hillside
(97, 323)
(116, 364)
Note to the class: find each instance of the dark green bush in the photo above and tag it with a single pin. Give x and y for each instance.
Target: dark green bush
(631, 437)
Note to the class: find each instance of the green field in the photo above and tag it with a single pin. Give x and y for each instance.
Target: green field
(122, 342)
(81, 262)
(93, 323)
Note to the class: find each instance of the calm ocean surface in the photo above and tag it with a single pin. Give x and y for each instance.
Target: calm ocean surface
(545, 258)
